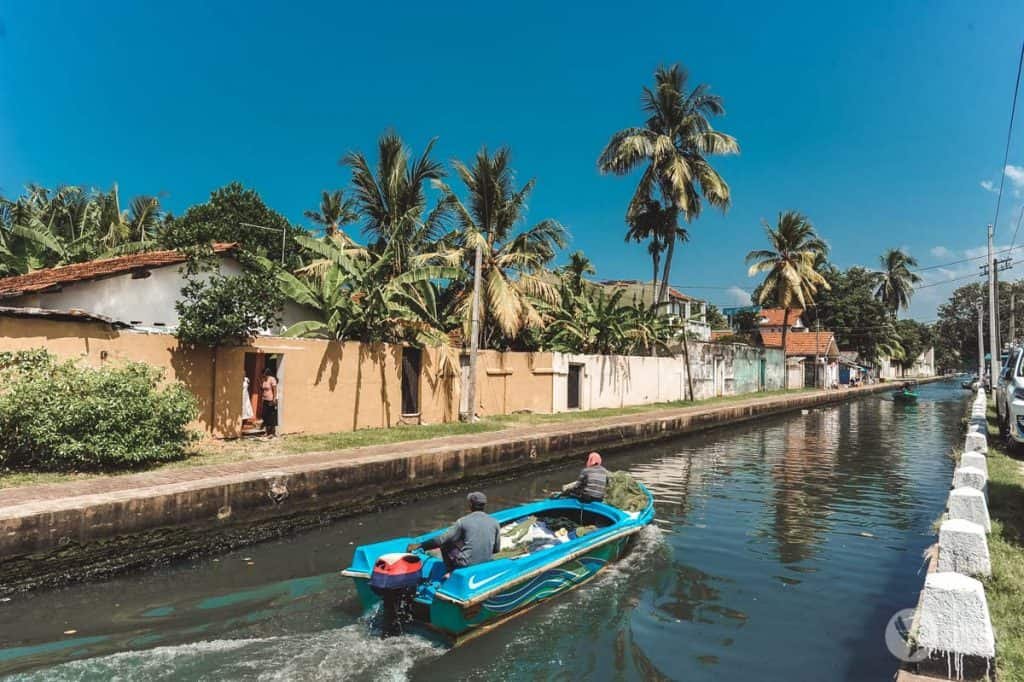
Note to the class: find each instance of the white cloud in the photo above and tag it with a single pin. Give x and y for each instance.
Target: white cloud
(940, 252)
(738, 296)
(1015, 174)
(988, 186)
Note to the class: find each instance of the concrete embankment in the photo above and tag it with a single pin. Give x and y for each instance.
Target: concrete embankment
(952, 629)
(54, 534)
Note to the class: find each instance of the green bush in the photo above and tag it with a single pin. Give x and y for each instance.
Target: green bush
(63, 416)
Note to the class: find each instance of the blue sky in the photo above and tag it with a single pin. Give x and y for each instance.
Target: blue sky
(878, 120)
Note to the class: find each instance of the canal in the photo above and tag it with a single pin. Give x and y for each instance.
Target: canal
(780, 550)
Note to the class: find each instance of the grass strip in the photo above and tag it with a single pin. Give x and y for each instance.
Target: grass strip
(1005, 589)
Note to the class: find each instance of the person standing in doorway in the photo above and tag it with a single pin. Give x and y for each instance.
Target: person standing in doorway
(269, 394)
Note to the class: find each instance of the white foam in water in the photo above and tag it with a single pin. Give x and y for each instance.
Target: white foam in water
(348, 653)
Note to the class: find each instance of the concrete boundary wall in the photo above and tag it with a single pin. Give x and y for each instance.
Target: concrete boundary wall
(719, 369)
(51, 535)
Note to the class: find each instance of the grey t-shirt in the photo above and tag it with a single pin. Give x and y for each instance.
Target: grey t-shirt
(473, 539)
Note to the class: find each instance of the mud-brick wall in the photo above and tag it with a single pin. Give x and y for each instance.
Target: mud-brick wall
(326, 386)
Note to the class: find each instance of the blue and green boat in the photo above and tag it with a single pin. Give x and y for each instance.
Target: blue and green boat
(905, 393)
(474, 599)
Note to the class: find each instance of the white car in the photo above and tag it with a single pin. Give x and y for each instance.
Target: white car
(1009, 393)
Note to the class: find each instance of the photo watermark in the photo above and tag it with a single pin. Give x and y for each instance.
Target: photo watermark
(898, 639)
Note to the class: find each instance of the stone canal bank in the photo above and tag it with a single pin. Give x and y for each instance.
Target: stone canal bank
(61, 533)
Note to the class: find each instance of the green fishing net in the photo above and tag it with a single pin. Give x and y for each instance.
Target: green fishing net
(624, 492)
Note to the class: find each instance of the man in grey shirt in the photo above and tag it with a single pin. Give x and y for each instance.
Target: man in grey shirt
(472, 540)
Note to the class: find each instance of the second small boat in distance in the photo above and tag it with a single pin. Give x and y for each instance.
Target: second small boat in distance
(905, 393)
(554, 545)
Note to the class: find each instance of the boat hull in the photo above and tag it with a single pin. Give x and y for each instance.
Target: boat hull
(458, 620)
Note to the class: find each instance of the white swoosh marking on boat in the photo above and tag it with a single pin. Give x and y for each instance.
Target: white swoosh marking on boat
(473, 584)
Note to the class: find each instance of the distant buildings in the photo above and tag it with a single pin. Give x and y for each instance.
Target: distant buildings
(812, 357)
(692, 310)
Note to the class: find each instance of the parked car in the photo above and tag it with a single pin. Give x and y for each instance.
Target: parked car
(1009, 394)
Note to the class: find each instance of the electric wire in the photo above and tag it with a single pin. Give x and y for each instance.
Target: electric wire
(1009, 136)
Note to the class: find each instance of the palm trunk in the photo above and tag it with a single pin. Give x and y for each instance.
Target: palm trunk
(663, 294)
(686, 358)
(785, 334)
(654, 280)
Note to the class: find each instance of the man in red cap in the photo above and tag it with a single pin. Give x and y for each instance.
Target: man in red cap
(591, 484)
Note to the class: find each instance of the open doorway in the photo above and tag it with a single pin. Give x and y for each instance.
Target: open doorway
(412, 363)
(256, 364)
(464, 375)
(573, 381)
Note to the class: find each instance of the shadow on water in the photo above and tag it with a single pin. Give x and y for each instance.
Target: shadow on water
(780, 548)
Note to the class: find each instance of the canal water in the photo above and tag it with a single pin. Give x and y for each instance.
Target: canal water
(780, 550)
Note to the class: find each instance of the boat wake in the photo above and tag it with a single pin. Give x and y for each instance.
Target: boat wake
(348, 653)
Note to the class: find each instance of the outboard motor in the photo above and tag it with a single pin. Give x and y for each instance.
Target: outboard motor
(394, 579)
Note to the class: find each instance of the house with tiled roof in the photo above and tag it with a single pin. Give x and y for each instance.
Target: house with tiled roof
(812, 357)
(137, 290)
(680, 305)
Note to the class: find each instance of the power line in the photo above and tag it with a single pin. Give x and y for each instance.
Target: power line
(1009, 135)
(945, 281)
(965, 260)
(1017, 229)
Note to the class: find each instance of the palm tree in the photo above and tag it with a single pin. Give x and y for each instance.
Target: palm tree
(353, 298)
(578, 266)
(335, 210)
(391, 200)
(26, 240)
(896, 281)
(654, 222)
(512, 264)
(673, 145)
(596, 321)
(791, 279)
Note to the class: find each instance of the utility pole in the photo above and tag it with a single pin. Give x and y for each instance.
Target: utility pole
(980, 305)
(993, 330)
(817, 339)
(999, 317)
(474, 342)
(1013, 318)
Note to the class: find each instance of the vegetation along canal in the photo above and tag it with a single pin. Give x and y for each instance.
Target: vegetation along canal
(781, 549)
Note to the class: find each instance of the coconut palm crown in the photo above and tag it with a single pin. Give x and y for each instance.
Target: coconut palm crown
(335, 210)
(513, 262)
(896, 280)
(673, 147)
(391, 201)
(791, 278)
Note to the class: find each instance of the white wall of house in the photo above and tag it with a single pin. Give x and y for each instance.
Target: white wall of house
(924, 366)
(623, 380)
(147, 302)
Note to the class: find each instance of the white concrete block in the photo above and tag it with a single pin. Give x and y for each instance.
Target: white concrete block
(975, 460)
(969, 504)
(975, 442)
(970, 477)
(974, 427)
(963, 548)
(953, 617)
